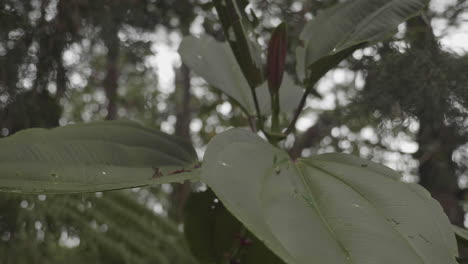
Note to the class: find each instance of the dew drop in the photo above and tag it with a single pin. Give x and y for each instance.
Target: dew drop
(277, 170)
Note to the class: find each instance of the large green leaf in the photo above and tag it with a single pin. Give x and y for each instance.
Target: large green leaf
(332, 208)
(215, 62)
(241, 37)
(349, 24)
(91, 157)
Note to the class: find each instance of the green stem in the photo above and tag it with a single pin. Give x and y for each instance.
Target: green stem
(299, 109)
(275, 110)
(252, 123)
(259, 120)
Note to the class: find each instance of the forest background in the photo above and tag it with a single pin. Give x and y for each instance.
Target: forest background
(402, 103)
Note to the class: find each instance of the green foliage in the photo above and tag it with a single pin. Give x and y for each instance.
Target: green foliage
(461, 234)
(92, 157)
(417, 81)
(331, 208)
(27, 111)
(241, 38)
(351, 208)
(349, 24)
(216, 63)
(111, 228)
(216, 236)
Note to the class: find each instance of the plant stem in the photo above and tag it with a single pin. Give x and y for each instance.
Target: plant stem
(231, 21)
(252, 123)
(259, 120)
(298, 111)
(327, 63)
(275, 110)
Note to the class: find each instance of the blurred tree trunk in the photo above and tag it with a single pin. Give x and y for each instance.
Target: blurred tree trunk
(436, 167)
(182, 126)
(62, 24)
(110, 83)
(181, 192)
(437, 141)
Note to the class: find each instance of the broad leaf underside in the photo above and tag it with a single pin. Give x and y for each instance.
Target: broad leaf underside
(216, 63)
(349, 24)
(332, 208)
(91, 157)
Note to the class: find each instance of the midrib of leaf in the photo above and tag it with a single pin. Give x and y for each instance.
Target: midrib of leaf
(317, 209)
(181, 177)
(271, 241)
(422, 199)
(370, 202)
(367, 20)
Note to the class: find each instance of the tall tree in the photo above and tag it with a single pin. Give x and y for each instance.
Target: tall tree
(424, 82)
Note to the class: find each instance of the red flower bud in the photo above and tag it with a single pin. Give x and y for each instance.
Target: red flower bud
(277, 57)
